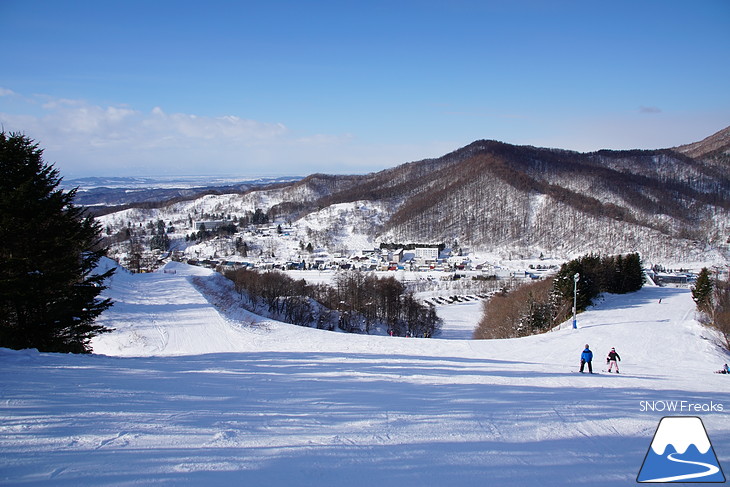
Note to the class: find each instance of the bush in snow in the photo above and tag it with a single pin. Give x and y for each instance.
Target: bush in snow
(358, 302)
(525, 310)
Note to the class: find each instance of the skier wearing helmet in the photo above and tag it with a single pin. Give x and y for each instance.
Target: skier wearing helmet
(612, 359)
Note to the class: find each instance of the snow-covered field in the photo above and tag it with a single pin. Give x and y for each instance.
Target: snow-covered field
(188, 393)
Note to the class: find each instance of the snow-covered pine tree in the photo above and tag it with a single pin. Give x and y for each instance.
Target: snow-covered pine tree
(48, 254)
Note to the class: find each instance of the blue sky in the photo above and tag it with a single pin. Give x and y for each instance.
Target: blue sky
(296, 87)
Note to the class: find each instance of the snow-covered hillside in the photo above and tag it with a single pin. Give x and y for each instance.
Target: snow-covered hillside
(487, 197)
(187, 393)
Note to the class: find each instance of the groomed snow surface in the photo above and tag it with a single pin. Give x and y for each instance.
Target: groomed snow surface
(190, 391)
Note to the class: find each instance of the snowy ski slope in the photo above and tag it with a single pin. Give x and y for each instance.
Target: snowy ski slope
(188, 393)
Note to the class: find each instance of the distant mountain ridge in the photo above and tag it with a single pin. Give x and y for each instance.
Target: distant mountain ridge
(526, 199)
(669, 203)
(716, 145)
(104, 193)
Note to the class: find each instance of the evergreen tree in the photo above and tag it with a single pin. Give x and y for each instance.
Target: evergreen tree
(613, 274)
(613, 269)
(48, 254)
(588, 286)
(702, 291)
(160, 240)
(259, 217)
(633, 272)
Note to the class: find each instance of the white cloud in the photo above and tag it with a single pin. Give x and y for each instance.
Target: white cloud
(85, 138)
(228, 127)
(650, 110)
(323, 139)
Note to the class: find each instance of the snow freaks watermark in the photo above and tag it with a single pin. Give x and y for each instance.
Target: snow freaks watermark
(680, 452)
(685, 407)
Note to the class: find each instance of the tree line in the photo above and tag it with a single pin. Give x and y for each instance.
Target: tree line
(539, 306)
(356, 302)
(712, 298)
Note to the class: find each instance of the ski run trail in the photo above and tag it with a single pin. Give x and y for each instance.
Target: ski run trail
(189, 390)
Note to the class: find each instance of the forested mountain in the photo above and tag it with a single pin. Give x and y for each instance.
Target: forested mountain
(714, 147)
(523, 200)
(527, 199)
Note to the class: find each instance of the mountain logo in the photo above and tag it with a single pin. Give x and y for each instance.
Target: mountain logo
(681, 452)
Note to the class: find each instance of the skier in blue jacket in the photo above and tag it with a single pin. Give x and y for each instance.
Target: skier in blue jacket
(586, 358)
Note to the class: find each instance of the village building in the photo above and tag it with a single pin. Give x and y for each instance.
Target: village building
(210, 225)
(426, 254)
